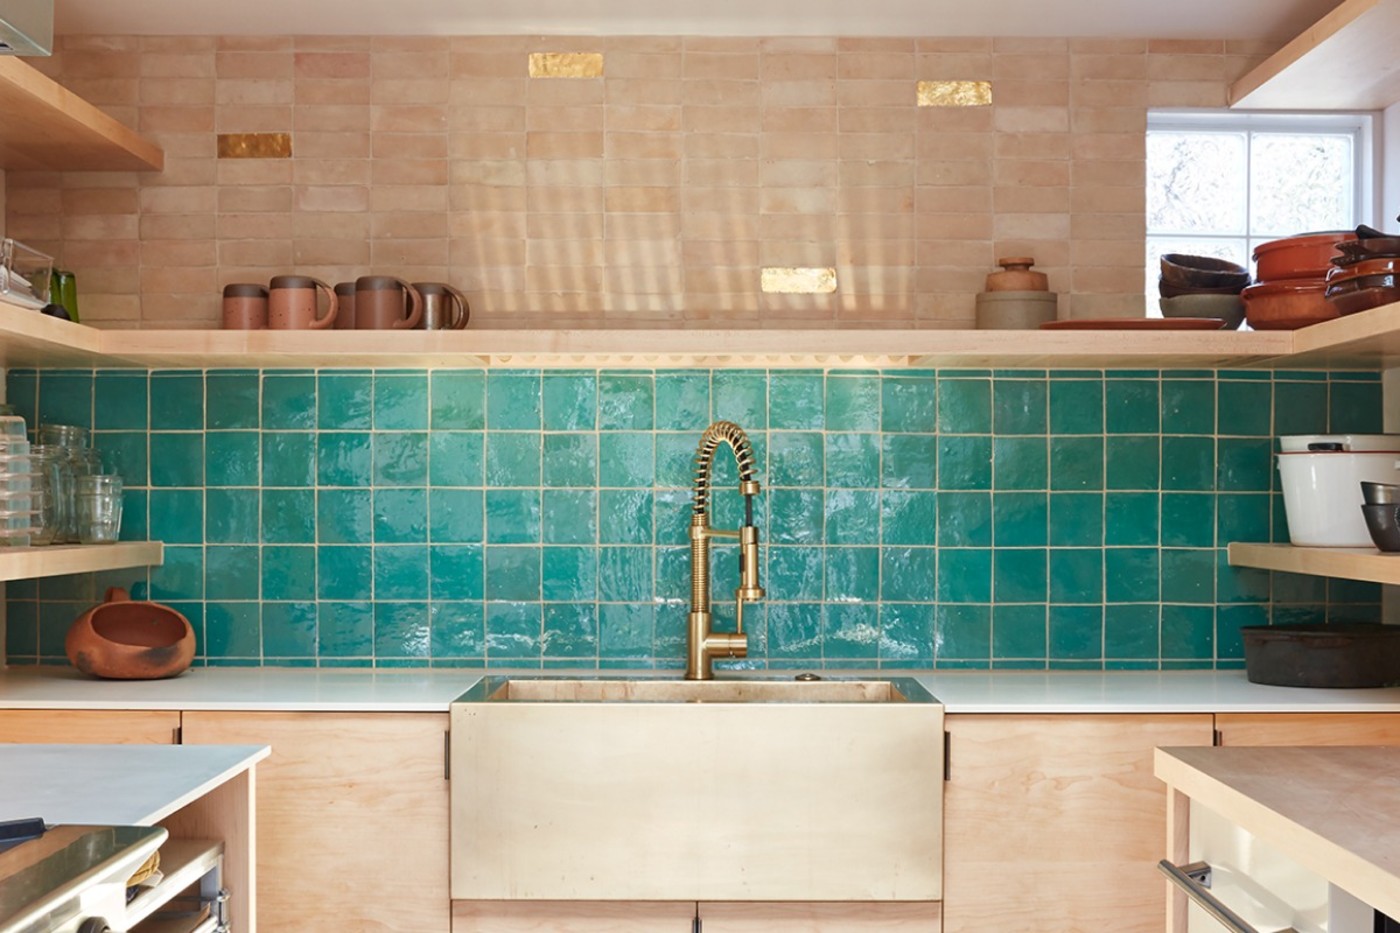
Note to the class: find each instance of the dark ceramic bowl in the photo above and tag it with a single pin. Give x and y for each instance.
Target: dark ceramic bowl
(1380, 493)
(1383, 522)
(1169, 290)
(1183, 270)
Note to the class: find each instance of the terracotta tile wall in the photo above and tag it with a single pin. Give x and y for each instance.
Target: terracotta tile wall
(653, 195)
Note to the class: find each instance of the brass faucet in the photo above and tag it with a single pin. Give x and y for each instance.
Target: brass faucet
(704, 645)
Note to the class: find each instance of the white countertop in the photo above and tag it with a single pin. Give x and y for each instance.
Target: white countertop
(118, 785)
(424, 690)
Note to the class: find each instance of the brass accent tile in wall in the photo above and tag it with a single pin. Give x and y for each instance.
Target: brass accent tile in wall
(798, 281)
(255, 145)
(955, 93)
(566, 64)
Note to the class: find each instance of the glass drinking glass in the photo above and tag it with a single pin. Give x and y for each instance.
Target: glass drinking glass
(99, 501)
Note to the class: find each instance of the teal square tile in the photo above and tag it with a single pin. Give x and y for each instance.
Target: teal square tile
(458, 630)
(289, 516)
(1229, 641)
(1020, 519)
(909, 574)
(625, 402)
(177, 459)
(400, 571)
(231, 571)
(124, 453)
(1240, 584)
(1077, 519)
(177, 401)
(345, 630)
(513, 401)
(1076, 406)
(1242, 517)
(796, 459)
(683, 401)
(1019, 631)
(908, 517)
(796, 401)
(1299, 407)
(344, 516)
(909, 404)
(1188, 406)
(1188, 463)
(852, 402)
(232, 399)
(569, 516)
(1077, 463)
(570, 574)
(344, 401)
(1188, 575)
(344, 571)
(22, 394)
(1299, 588)
(457, 571)
(675, 460)
(1243, 408)
(909, 461)
(1133, 462)
(1244, 464)
(456, 458)
(741, 396)
(794, 574)
(232, 630)
(626, 630)
(401, 401)
(232, 515)
(513, 632)
(1188, 519)
(456, 515)
(232, 458)
(570, 631)
(1188, 632)
(964, 462)
(673, 577)
(288, 572)
(344, 458)
(400, 516)
(288, 630)
(1132, 518)
(795, 630)
(671, 518)
(177, 515)
(65, 397)
(513, 573)
(1354, 407)
(1076, 575)
(964, 406)
(570, 401)
(1019, 406)
(853, 460)
(1076, 633)
(401, 630)
(1019, 575)
(852, 574)
(626, 459)
(853, 516)
(1131, 631)
(119, 400)
(457, 400)
(1132, 575)
(625, 574)
(400, 458)
(847, 633)
(1132, 406)
(624, 516)
(964, 519)
(964, 633)
(288, 401)
(803, 516)
(908, 633)
(513, 459)
(513, 516)
(1020, 463)
(289, 458)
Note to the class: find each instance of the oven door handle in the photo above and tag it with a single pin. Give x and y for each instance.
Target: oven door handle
(1194, 880)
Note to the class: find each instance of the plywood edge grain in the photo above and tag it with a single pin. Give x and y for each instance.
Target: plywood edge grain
(23, 563)
(1366, 564)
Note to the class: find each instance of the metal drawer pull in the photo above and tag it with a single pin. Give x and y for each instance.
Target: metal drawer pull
(1194, 879)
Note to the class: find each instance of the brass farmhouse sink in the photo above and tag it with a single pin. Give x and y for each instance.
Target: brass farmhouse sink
(649, 789)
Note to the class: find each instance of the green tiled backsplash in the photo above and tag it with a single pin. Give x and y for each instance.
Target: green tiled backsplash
(952, 518)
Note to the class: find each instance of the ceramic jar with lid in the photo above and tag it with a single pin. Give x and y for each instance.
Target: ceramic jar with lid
(1017, 276)
(1017, 298)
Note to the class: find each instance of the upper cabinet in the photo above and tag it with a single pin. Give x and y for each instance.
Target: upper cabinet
(48, 128)
(1345, 61)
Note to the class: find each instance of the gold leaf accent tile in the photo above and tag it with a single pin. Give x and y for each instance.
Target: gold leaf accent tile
(255, 145)
(798, 281)
(566, 64)
(955, 93)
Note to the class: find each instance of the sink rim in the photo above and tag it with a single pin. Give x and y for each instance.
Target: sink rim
(908, 690)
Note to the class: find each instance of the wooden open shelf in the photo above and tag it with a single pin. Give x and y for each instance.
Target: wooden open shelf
(1346, 563)
(25, 563)
(48, 128)
(182, 862)
(1345, 61)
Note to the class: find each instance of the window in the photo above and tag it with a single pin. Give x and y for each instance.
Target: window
(1218, 184)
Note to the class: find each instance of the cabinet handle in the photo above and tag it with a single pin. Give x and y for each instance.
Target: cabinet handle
(1194, 879)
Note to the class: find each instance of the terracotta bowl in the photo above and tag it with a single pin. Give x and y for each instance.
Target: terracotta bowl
(1298, 257)
(1378, 265)
(124, 640)
(1363, 292)
(1183, 270)
(1288, 304)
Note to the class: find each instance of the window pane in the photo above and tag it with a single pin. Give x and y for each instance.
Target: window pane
(1300, 183)
(1196, 182)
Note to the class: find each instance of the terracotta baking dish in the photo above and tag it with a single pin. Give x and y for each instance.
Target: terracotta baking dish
(1298, 257)
(1287, 304)
(1354, 293)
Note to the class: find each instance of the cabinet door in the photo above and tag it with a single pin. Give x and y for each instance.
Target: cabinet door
(911, 917)
(1308, 728)
(351, 818)
(1054, 822)
(85, 727)
(572, 917)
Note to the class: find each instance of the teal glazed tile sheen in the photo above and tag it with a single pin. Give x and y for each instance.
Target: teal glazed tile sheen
(1188, 406)
(288, 458)
(1076, 406)
(289, 630)
(1020, 463)
(400, 516)
(625, 402)
(1354, 407)
(232, 458)
(456, 571)
(177, 459)
(120, 400)
(1132, 406)
(909, 404)
(569, 401)
(796, 458)
(231, 399)
(909, 461)
(964, 406)
(456, 458)
(289, 516)
(342, 572)
(627, 458)
(1299, 407)
(344, 401)
(400, 458)
(853, 460)
(682, 401)
(797, 401)
(513, 516)
(513, 459)
(740, 396)
(343, 516)
(233, 515)
(1019, 406)
(177, 401)
(1019, 631)
(288, 401)
(1076, 463)
(852, 402)
(400, 402)
(513, 401)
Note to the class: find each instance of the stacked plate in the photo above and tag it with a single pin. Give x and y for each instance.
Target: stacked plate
(1366, 275)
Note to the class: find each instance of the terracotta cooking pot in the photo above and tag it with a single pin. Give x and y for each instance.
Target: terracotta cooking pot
(1307, 256)
(124, 640)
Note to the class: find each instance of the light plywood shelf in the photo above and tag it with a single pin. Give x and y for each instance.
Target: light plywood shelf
(1344, 61)
(24, 563)
(182, 863)
(49, 128)
(1366, 564)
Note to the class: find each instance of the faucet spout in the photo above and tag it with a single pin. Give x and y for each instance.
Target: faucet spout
(703, 643)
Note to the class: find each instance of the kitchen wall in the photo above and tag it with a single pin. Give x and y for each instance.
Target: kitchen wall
(654, 194)
(951, 518)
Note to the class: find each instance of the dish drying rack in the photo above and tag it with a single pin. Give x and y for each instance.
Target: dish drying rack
(25, 274)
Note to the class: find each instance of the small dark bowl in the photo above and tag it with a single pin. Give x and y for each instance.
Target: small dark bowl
(1187, 271)
(1169, 290)
(1383, 522)
(1380, 493)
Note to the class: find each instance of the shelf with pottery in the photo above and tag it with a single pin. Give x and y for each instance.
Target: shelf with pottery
(1338, 63)
(49, 128)
(26, 563)
(1347, 563)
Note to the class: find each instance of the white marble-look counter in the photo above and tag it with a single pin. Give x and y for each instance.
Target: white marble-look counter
(424, 690)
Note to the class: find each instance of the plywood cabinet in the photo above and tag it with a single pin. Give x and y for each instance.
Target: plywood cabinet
(89, 727)
(820, 918)
(352, 818)
(1308, 728)
(681, 917)
(1054, 822)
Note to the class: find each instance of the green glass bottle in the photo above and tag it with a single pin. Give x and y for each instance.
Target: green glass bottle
(63, 290)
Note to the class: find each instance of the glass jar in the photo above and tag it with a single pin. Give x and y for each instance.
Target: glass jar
(62, 435)
(51, 493)
(99, 508)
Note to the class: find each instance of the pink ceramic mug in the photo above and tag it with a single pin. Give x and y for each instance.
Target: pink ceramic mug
(245, 307)
(380, 303)
(345, 295)
(291, 303)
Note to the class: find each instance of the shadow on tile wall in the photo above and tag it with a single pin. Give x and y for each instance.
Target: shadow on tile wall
(1009, 519)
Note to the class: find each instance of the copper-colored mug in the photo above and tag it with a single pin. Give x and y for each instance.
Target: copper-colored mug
(245, 306)
(386, 302)
(444, 307)
(291, 303)
(345, 295)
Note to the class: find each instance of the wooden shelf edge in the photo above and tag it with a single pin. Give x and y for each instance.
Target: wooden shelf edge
(1366, 564)
(23, 563)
